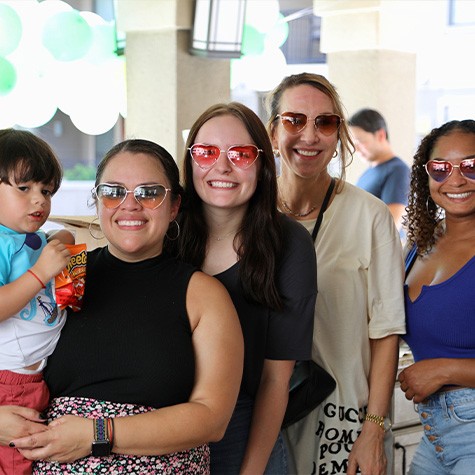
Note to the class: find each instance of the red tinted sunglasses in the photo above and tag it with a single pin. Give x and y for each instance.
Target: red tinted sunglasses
(241, 156)
(440, 170)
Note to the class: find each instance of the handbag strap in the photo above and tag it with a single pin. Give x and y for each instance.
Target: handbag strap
(410, 259)
(323, 208)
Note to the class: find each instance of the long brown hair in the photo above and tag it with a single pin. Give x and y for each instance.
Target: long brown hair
(260, 233)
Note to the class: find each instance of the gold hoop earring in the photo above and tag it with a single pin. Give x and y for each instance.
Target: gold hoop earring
(92, 226)
(177, 231)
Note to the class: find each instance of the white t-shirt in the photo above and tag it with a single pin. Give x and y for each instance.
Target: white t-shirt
(31, 335)
(360, 296)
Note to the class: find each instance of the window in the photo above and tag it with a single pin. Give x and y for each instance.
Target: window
(303, 43)
(461, 13)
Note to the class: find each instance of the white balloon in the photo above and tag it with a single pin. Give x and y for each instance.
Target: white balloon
(7, 112)
(34, 95)
(262, 14)
(96, 105)
(93, 19)
(72, 83)
(261, 73)
(96, 122)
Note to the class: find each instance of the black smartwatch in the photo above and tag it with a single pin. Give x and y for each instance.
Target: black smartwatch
(101, 445)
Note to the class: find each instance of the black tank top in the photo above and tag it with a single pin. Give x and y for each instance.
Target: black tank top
(131, 341)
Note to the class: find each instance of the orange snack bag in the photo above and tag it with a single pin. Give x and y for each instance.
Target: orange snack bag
(70, 283)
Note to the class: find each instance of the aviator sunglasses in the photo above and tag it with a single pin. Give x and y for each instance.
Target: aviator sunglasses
(294, 122)
(112, 195)
(440, 170)
(241, 156)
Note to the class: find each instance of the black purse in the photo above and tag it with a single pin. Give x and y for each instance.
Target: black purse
(310, 384)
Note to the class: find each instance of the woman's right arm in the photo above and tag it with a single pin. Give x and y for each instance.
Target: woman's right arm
(219, 349)
(425, 377)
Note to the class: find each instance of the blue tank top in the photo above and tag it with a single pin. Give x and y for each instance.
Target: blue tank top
(441, 320)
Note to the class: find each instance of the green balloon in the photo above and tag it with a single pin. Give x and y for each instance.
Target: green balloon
(7, 77)
(67, 36)
(253, 41)
(10, 29)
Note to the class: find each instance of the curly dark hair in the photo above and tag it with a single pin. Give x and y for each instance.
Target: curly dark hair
(423, 215)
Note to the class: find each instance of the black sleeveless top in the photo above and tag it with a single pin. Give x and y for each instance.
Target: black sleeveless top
(131, 341)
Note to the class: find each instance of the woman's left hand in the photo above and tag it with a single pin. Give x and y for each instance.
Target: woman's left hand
(66, 439)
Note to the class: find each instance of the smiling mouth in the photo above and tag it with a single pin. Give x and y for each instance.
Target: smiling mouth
(130, 223)
(459, 195)
(222, 184)
(308, 153)
(38, 214)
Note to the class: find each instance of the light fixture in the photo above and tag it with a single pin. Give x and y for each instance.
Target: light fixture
(218, 28)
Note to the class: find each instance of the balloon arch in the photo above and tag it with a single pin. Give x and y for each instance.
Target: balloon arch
(55, 57)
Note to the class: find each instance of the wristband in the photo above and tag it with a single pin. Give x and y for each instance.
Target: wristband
(101, 445)
(37, 278)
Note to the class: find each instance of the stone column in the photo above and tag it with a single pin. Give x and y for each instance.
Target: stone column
(167, 88)
(372, 62)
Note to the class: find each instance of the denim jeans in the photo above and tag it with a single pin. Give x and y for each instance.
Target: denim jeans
(227, 454)
(448, 442)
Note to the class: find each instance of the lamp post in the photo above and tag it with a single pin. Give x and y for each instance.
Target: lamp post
(218, 28)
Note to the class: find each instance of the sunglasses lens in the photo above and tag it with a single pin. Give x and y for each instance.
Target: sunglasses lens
(467, 167)
(150, 196)
(243, 156)
(111, 195)
(205, 156)
(293, 123)
(439, 171)
(327, 124)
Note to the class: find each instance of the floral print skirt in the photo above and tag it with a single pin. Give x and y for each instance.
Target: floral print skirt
(193, 461)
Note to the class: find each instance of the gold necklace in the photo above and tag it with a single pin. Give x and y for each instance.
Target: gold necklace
(220, 238)
(294, 213)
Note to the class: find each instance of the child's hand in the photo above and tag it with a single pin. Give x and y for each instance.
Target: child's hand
(53, 259)
(18, 422)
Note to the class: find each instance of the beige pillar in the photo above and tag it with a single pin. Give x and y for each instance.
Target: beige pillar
(372, 62)
(167, 88)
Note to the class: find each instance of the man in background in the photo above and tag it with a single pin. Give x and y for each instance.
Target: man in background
(387, 176)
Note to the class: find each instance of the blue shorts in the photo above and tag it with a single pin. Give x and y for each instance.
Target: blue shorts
(448, 443)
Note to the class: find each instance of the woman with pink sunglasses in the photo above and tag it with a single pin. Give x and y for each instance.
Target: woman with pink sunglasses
(440, 299)
(231, 229)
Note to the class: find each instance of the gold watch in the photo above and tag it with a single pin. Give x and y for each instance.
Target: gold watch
(382, 422)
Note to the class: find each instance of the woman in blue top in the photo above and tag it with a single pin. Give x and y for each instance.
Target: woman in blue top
(440, 299)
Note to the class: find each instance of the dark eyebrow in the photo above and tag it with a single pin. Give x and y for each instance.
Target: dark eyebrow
(445, 160)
